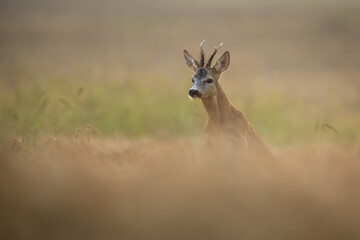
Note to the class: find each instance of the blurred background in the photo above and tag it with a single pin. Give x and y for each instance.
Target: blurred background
(118, 66)
(99, 140)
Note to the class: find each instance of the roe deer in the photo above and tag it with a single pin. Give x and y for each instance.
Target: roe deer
(225, 120)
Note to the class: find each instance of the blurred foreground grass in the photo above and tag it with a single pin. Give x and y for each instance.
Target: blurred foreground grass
(121, 188)
(155, 106)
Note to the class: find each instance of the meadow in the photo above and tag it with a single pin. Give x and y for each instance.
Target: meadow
(99, 140)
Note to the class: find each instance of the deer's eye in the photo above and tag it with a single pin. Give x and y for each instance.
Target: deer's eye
(209, 81)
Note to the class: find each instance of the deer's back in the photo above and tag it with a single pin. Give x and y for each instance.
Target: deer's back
(255, 143)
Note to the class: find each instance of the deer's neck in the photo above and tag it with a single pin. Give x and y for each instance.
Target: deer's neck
(218, 106)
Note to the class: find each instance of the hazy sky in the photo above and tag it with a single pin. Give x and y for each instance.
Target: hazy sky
(9, 5)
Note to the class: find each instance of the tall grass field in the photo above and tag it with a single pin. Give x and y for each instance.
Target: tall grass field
(99, 139)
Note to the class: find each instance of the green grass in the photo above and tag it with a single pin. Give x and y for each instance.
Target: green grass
(157, 107)
(129, 107)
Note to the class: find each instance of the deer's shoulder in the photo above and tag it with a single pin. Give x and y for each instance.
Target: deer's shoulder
(238, 120)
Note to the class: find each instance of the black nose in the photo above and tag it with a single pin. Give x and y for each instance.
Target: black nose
(194, 93)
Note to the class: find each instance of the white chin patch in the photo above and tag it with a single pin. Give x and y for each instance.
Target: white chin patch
(195, 97)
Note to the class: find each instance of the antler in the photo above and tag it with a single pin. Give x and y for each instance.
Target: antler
(212, 55)
(202, 56)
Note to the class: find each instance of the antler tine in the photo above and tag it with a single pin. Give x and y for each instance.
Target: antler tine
(208, 64)
(202, 56)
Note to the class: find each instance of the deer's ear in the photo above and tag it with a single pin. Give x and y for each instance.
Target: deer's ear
(191, 62)
(223, 63)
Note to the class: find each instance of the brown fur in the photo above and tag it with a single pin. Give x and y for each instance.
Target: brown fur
(225, 120)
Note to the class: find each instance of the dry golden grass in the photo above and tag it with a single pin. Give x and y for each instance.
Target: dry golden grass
(178, 189)
(107, 79)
